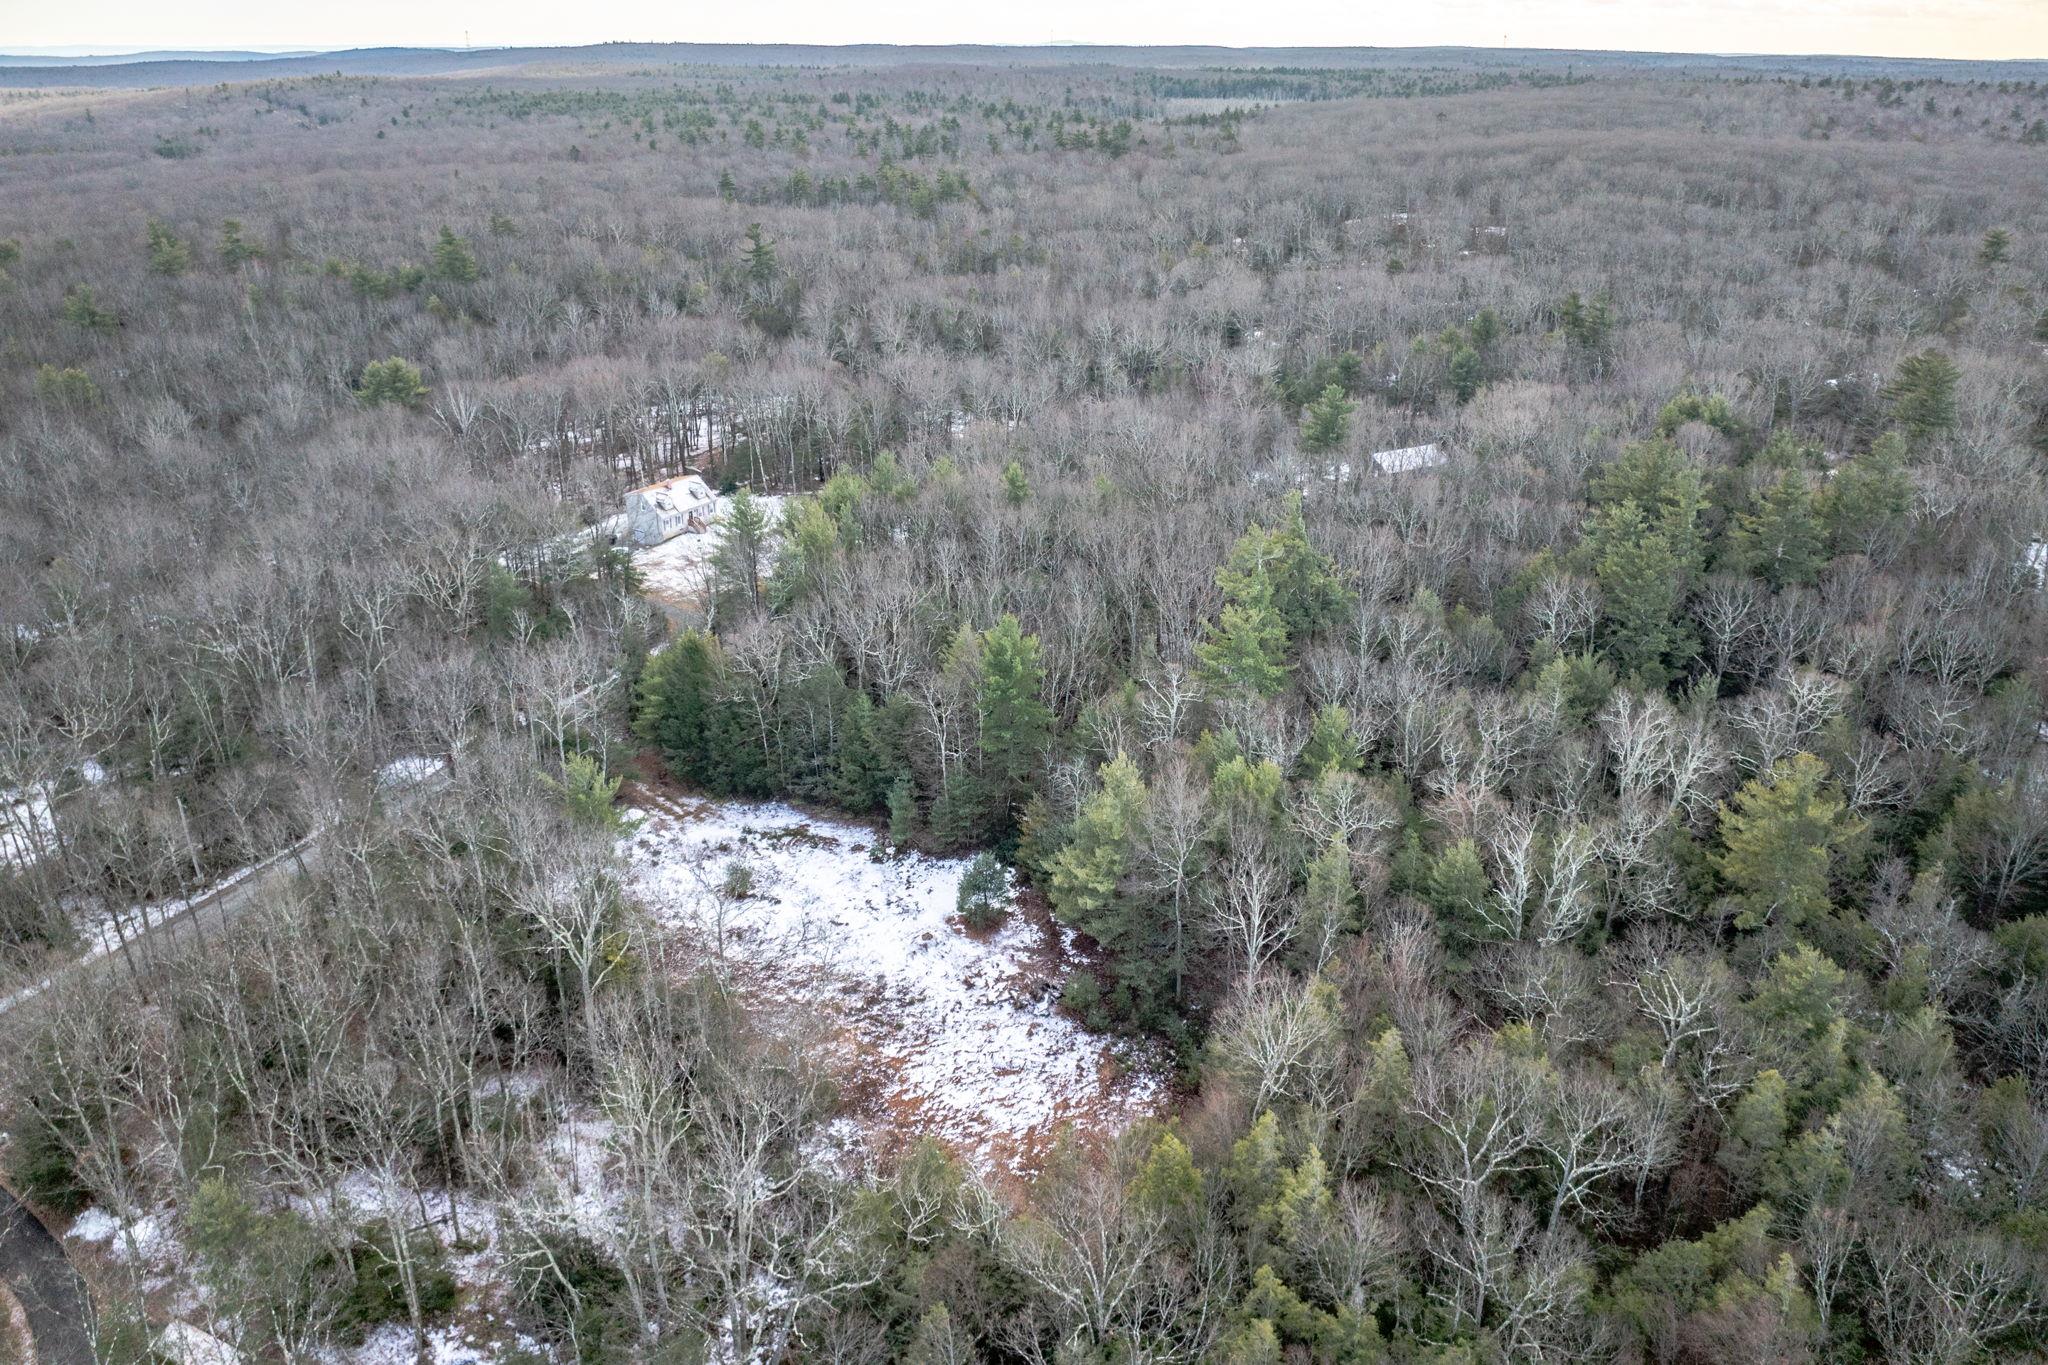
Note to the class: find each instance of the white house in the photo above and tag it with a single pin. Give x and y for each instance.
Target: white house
(2037, 561)
(1408, 459)
(669, 508)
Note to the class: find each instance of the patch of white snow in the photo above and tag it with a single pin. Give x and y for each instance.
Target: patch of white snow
(678, 570)
(947, 1033)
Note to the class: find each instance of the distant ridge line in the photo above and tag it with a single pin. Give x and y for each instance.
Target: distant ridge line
(146, 69)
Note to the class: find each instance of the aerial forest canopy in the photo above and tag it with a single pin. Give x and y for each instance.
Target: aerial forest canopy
(1490, 617)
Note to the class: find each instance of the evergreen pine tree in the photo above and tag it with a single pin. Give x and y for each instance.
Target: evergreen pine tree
(1778, 835)
(67, 386)
(1466, 373)
(1756, 1129)
(1781, 540)
(589, 794)
(762, 267)
(1657, 477)
(1247, 797)
(234, 248)
(1331, 747)
(677, 691)
(810, 543)
(736, 565)
(1328, 903)
(960, 814)
(1257, 1164)
(1484, 330)
(168, 254)
(1640, 576)
(685, 712)
(1307, 590)
(1458, 888)
(452, 259)
(861, 772)
(82, 309)
(1245, 649)
(1277, 588)
(1327, 424)
(1016, 727)
(984, 893)
(1923, 395)
(902, 810)
(1016, 488)
(1587, 325)
(1169, 1186)
(507, 602)
(1869, 498)
(395, 381)
(1088, 875)
(1384, 1090)
(1799, 1003)
(1645, 546)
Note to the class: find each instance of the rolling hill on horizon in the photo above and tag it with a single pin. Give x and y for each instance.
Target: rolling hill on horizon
(174, 68)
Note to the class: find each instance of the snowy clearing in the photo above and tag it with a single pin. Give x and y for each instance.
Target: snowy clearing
(941, 1032)
(568, 1176)
(678, 570)
(453, 1344)
(148, 1240)
(409, 771)
(664, 437)
(181, 1343)
(28, 828)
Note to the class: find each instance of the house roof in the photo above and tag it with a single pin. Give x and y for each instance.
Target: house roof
(1407, 458)
(686, 490)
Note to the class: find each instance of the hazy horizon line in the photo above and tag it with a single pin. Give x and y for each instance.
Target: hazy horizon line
(200, 52)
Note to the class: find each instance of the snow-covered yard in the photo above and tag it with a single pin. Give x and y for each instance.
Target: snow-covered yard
(678, 570)
(939, 1031)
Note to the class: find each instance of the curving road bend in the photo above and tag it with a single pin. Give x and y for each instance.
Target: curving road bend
(32, 1264)
(32, 1261)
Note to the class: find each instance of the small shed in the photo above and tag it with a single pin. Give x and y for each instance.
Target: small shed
(1408, 459)
(667, 509)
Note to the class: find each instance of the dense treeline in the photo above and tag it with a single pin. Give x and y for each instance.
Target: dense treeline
(1596, 887)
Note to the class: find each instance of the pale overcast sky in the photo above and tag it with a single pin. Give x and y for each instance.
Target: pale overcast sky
(1908, 28)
